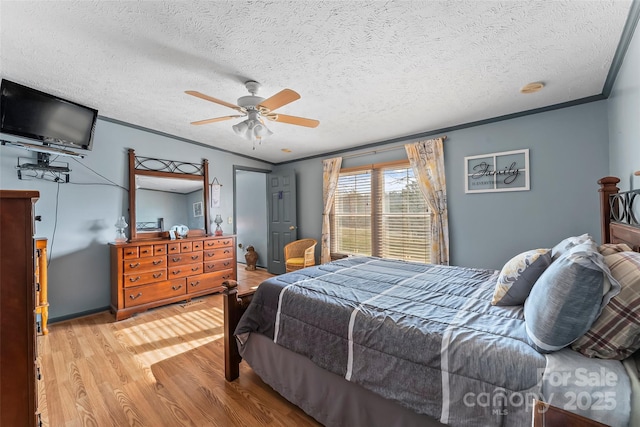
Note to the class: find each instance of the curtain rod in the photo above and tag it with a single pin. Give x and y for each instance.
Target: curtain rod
(382, 150)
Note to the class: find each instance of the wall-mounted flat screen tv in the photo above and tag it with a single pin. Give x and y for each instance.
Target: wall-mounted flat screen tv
(30, 113)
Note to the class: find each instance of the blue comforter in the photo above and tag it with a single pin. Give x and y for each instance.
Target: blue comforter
(423, 335)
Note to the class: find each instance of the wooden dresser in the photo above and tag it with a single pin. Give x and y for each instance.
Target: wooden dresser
(151, 273)
(18, 367)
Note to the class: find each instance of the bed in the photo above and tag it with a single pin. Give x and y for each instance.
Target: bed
(368, 341)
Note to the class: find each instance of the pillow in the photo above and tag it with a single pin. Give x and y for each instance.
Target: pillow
(568, 243)
(518, 276)
(567, 298)
(616, 333)
(612, 248)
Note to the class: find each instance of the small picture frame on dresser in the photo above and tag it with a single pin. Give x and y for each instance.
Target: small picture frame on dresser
(172, 235)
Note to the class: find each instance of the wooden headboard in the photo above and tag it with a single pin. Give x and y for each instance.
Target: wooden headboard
(619, 223)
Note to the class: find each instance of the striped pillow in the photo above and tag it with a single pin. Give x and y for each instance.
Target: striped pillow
(612, 248)
(616, 333)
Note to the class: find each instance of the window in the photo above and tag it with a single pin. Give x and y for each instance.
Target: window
(380, 211)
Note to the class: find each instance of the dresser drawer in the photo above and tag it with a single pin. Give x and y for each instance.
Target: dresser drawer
(144, 264)
(218, 243)
(213, 264)
(146, 251)
(159, 249)
(197, 245)
(185, 258)
(143, 277)
(221, 253)
(184, 270)
(209, 280)
(186, 246)
(131, 252)
(149, 293)
(173, 248)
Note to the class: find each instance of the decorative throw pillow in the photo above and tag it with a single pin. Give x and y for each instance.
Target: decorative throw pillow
(569, 243)
(612, 248)
(616, 333)
(518, 276)
(567, 298)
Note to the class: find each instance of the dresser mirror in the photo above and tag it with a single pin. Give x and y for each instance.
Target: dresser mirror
(167, 193)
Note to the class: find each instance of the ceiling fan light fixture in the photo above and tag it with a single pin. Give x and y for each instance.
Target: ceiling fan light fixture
(241, 128)
(253, 129)
(262, 131)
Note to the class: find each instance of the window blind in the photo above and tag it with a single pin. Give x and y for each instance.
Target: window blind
(381, 212)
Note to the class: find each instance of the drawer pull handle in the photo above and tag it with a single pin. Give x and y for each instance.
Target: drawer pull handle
(146, 251)
(39, 376)
(130, 253)
(136, 265)
(175, 288)
(226, 276)
(226, 242)
(134, 279)
(157, 262)
(176, 259)
(195, 268)
(176, 272)
(211, 266)
(227, 251)
(173, 249)
(135, 297)
(156, 275)
(194, 284)
(226, 263)
(210, 254)
(210, 244)
(195, 257)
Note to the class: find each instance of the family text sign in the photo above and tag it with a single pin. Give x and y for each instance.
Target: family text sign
(505, 171)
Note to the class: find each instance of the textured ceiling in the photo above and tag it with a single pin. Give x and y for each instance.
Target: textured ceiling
(368, 71)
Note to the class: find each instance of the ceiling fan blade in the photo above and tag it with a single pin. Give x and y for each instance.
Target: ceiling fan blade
(293, 120)
(212, 99)
(284, 97)
(217, 119)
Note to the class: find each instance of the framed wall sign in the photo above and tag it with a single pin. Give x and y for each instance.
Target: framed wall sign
(495, 172)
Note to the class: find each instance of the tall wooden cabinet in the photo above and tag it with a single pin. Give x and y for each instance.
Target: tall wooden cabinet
(151, 273)
(18, 367)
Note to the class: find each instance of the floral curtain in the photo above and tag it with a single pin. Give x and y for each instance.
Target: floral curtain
(427, 161)
(330, 175)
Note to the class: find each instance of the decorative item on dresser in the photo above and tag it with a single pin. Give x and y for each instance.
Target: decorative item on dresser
(18, 336)
(152, 273)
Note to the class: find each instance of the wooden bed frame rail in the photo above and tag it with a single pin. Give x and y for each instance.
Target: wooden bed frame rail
(234, 305)
(618, 221)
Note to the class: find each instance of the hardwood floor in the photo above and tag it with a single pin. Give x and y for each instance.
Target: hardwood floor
(163, 367)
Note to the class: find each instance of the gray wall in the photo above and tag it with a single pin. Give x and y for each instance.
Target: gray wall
(568, 154)
(83, 215)
(624, 119)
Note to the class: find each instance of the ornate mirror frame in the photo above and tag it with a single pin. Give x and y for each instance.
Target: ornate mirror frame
(152, 167)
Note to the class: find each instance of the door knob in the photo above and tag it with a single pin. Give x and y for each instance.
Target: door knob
(292, 227)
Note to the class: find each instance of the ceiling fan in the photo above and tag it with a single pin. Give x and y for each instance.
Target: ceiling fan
(257, 109)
